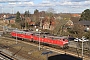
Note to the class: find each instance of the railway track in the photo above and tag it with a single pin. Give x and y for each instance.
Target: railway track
(4, 56)
(71, 51)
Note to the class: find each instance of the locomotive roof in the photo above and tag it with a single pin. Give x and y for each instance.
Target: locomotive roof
(18, 31)
(28, 32)
(57, 37)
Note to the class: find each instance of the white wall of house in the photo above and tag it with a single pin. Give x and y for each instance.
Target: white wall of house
(46, 25)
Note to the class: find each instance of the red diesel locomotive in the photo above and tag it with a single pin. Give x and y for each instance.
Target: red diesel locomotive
(32, 36)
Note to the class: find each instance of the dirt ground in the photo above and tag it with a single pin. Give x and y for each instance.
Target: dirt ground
(22, 51)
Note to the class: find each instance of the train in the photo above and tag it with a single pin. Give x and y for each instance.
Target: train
(41, 37)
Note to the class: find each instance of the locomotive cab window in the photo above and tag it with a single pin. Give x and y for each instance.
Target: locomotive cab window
(63, 39)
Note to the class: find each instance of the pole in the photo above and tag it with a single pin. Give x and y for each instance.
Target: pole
(82, 46)
(16, 37)
(39, 40)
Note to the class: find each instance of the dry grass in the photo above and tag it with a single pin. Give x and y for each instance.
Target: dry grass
(24, 50)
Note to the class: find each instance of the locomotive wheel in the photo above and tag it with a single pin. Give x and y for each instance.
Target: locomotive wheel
(66, 46)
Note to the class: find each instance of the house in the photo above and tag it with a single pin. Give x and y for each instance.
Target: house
(45, 23)
(48, 23)
(31, 23)
(69, 23)
(52, 23)
(66, 24)
(10, 20)
(85, 24)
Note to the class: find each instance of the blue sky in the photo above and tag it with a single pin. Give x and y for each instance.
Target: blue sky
(64, 6)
